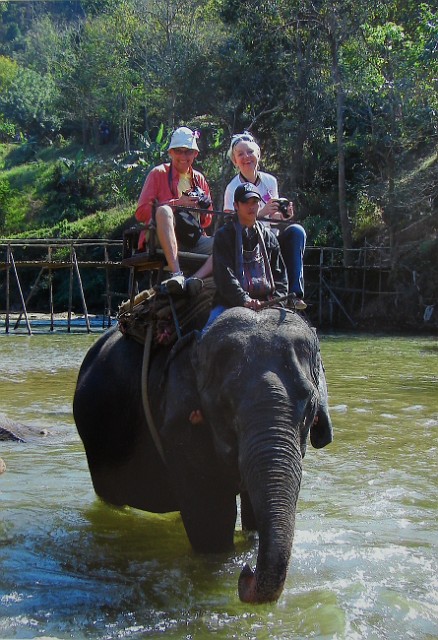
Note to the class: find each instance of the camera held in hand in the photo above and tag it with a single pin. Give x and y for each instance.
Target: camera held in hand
(283, 206)
(203, 200)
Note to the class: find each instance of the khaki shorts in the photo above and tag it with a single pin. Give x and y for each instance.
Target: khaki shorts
(204, 245)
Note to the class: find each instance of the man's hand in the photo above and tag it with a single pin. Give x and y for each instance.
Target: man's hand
(187, 201)
(253, 304)
(270, 210)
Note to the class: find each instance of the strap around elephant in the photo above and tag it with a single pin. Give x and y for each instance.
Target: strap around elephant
(144, 392)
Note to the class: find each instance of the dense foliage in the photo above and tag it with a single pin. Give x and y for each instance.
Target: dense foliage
(342, 96)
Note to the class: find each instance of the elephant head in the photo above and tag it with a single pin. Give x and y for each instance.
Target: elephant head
(256, 380)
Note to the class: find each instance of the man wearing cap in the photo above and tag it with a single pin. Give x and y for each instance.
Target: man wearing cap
(247, 264)
(165, 188)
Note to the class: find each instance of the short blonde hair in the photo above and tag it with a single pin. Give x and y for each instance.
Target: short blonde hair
(246, 136)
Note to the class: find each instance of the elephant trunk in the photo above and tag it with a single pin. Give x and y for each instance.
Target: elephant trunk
(270, 467)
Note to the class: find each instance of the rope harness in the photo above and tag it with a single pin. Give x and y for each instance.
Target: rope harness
(169, 317)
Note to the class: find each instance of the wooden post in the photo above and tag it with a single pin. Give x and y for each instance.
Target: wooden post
(334, 298)
(321, 264)
(32, 291)
(81, 290)
(107, 291)
(8, 285)
(23, 304)
(49, 258)
(364, 267)
(70, 290)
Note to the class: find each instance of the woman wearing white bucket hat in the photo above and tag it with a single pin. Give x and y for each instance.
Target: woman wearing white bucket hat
(171, 187)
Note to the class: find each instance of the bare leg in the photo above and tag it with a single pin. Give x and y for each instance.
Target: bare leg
(166, 236)
(206, 269)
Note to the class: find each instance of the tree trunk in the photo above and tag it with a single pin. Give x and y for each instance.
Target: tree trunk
(342, 192)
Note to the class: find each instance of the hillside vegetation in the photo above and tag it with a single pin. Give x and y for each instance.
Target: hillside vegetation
(46, 196)
(341, 95)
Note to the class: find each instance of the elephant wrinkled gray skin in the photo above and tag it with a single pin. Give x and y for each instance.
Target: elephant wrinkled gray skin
(258, 382)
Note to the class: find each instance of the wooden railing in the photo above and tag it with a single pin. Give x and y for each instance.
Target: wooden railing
(329, 285)
(48, 256)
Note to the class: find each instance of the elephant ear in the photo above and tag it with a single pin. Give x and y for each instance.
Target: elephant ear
(309, 419)
(321, 430)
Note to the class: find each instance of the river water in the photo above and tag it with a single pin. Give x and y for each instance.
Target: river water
(364, 561)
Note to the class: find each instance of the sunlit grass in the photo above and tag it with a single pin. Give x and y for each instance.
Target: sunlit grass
(421, 170)
(27, 173)
(97, 225)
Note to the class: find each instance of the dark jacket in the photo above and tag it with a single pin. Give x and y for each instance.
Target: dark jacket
(229, 291)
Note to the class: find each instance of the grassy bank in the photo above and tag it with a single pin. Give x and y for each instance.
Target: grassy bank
(59, 191)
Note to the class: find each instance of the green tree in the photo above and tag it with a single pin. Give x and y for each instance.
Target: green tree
(8, 73)
(98, 79)
(29, 102)
(176, 52)
(391, 73)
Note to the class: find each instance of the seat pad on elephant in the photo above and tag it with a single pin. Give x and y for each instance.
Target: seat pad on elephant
(150, 307)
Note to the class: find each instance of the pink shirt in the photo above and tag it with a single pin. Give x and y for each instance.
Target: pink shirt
(161, 187)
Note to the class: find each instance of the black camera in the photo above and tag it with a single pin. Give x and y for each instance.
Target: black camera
(203, 200)
(283, 206)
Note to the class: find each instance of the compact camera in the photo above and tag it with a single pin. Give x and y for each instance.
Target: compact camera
(203, 200)
(283, 206)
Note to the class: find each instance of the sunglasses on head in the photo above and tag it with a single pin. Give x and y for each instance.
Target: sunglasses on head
(241, 137)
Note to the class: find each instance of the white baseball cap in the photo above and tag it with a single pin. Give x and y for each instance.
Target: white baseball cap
(183, 137)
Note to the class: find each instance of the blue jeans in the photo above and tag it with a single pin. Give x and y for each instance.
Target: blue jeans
(214, 313)
(292, 244)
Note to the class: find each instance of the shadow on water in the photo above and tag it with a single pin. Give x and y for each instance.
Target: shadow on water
(106, 572)
(71, 563)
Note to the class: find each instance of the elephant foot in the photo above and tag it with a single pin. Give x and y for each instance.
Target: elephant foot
(196, 417)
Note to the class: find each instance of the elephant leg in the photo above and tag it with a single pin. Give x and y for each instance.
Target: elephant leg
(206, 495)
(205, 491)
(247, 513)
(208, 511)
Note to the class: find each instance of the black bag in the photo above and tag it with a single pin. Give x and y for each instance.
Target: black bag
(187, 228)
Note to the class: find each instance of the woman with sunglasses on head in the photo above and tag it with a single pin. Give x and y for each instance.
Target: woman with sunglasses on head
(244, 153)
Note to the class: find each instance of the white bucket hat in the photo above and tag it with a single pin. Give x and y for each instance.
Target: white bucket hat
(183, 137)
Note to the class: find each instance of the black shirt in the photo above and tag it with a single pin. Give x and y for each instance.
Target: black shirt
(229, 291)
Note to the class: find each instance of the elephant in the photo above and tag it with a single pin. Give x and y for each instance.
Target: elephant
(13, 431)
(232, 407)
